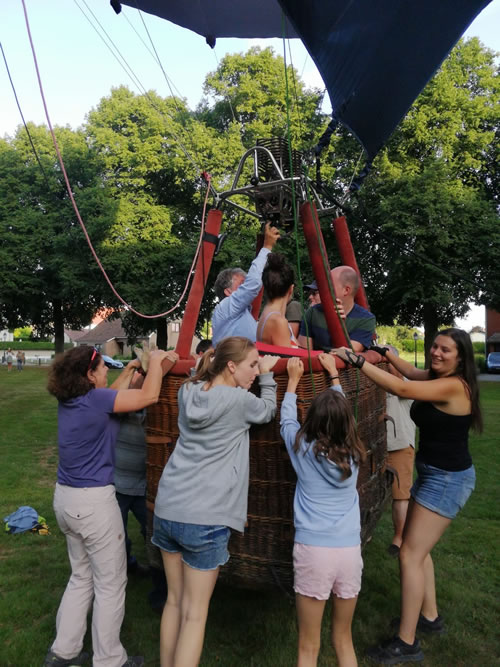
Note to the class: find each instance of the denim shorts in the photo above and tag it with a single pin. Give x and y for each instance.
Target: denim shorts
(201, 547)
(443, 491)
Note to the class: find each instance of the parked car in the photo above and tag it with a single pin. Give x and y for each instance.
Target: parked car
(111, 363)
(493, 362)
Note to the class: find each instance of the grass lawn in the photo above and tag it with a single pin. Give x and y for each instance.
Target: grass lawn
(244, 627)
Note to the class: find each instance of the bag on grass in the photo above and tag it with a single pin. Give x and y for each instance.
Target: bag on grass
(23, 519)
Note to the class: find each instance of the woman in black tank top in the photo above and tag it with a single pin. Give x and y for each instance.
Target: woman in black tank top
(446, 406)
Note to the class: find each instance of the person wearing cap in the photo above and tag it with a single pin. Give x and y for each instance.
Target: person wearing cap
(236, 291)
(359, 322)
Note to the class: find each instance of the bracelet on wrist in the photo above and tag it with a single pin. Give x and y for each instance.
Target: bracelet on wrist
(333, 377)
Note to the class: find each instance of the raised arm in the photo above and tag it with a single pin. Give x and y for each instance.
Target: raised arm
(404, 367)
(441, 390)
(289, 425)
(125, 378)
(243, 297)
(262, 410)
(129, 400)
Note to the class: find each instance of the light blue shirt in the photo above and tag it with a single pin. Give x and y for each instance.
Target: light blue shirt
(232, 316)
(325, 506)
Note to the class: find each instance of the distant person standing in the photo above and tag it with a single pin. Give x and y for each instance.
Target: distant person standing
(19, 359)
(9, 358)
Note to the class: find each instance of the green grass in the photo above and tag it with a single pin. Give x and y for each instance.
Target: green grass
(245, 628)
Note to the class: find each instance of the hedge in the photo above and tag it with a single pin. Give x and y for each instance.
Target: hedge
(480, 362)
(30, 345)
(408, 345)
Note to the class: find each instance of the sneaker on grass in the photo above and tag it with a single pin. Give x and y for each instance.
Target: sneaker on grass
(394, 651)
(435, 627)
(53, 660)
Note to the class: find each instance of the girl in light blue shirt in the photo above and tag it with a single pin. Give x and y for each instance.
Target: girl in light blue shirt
(325, 453)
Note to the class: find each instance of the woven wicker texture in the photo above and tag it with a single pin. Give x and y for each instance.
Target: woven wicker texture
(263, 555)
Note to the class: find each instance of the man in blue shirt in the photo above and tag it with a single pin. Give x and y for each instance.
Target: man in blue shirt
(236, 291)
(359, 322)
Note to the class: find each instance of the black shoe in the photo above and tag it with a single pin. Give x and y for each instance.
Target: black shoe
(395, 650)
(134, 661)
(53, 660)
(435, 627)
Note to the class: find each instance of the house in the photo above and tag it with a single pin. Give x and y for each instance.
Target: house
(492, 331)
(477, 335)
(72, 335)
(6, 336)
(110, 338)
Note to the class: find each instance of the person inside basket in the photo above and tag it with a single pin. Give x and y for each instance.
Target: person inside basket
(85, 502)
(325, 453)
(203, 491)
(400, 457)
(446, 406)
(273, 327)
(359, 322)
(236, 291)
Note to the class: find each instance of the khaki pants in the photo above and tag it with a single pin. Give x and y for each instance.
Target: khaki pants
(91, 521)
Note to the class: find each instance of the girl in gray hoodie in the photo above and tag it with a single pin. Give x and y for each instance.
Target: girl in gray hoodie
(203, 490)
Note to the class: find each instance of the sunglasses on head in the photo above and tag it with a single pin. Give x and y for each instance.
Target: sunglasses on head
(94, 355)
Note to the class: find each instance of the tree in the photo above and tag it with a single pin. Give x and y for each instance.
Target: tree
(431, 192)
(47, 273)
(143, 141)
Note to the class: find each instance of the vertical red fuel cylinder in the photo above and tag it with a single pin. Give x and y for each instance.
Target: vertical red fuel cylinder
(188, 326)
(316, 247)
(258, 299)
(348, 257)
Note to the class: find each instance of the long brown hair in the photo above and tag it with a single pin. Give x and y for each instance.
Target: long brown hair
(330, 425)
(214, 362)
(466, 371)
(68, 373)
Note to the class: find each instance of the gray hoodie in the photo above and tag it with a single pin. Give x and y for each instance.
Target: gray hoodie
(205, 480)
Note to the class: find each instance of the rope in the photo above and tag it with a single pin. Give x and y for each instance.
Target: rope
(77, 212)
(294, 202)
(22, 117)
(138, 84)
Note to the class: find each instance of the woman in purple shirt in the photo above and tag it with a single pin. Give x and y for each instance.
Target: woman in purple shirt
(85, 503)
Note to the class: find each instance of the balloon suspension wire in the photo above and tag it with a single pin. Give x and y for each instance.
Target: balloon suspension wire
(77, 212)
(294, 202)
(115, 52)
(23, 119)
(317, 230)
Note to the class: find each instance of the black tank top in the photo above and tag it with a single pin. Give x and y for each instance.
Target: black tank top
(444, 438)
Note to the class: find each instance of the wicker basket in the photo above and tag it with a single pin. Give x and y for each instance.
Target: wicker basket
(263, 555)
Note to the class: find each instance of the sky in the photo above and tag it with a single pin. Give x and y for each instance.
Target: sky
(77, 69)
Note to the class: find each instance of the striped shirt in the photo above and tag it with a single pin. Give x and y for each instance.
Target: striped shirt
(360, 325)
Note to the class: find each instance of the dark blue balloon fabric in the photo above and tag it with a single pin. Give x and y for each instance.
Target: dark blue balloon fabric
(375, 56)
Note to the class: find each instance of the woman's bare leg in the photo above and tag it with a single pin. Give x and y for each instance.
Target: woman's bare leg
(197, 592)
(423, 530)
(171, 616)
